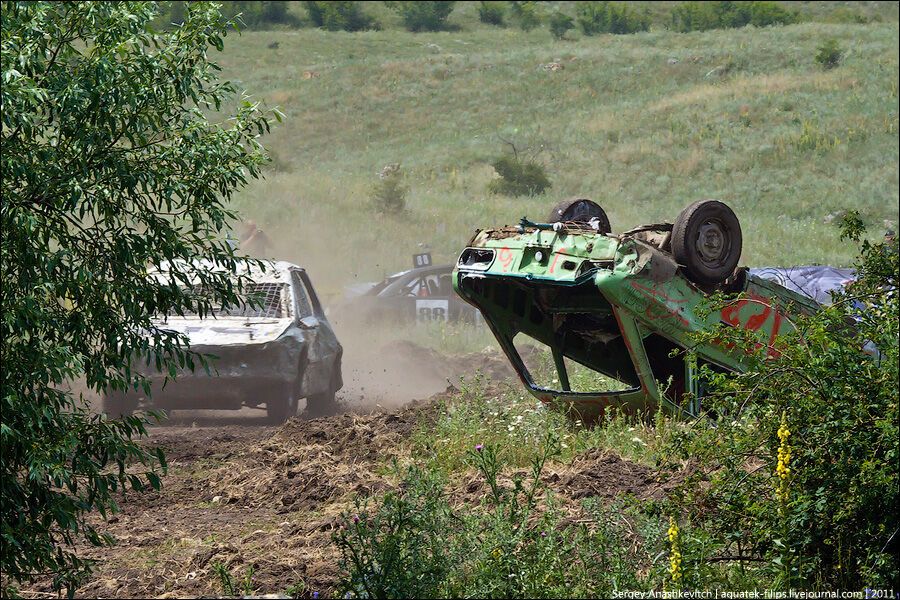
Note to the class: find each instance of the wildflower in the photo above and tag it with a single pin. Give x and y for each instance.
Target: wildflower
(543, 534)
(783, 469)
(674, 552)
(497, 552)
(315, 595)
(479, 447)
(356, 518)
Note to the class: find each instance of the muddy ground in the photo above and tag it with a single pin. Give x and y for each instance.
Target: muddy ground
(249, 495)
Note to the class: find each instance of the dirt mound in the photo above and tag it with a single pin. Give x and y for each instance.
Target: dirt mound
(603, 474)
(306, 464)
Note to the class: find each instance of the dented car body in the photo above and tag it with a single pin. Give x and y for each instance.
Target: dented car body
(273, 352)
(615, 311)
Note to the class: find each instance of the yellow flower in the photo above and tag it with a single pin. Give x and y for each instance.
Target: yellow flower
(782, 469)
(675, 551)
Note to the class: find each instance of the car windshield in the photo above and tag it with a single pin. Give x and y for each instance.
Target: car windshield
(259, 300)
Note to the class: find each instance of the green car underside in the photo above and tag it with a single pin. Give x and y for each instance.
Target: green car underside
(610, 311)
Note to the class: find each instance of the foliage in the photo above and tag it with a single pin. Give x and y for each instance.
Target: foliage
(518, 177)
(829, 54)
(701, 16)
(389, 194)
(110, 168)
(560, 24)
(491, 12)
(526, 14)
(424, 15)
(336, 15)
(610, 17)
(250, 14)
(805, 450)
(416, 544)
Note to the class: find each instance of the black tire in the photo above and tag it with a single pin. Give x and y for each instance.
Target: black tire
(118, 404)
(282, 405)
(706, 241)
(579, 210)
(324, 404)
(280, 410)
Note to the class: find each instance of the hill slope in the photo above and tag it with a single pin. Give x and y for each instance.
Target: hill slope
(643, 123)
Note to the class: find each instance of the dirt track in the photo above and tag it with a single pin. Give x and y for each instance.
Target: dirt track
(246, 494)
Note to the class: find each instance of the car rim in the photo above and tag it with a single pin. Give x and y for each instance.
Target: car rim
(713, 243)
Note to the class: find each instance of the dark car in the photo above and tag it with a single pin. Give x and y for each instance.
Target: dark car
(424, 294)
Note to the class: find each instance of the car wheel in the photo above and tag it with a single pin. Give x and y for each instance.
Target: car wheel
(118, 404)
(282, 408)
(706, 241)
(324, 404)
(580, 210)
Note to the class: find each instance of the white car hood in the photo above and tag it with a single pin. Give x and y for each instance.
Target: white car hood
(227, 331)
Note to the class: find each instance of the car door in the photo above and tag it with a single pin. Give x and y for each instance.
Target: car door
(323, 348)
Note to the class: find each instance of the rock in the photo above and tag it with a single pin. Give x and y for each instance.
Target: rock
(216, 499)
(672, 61)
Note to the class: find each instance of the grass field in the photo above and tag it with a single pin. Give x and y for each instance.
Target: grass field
(644, 124)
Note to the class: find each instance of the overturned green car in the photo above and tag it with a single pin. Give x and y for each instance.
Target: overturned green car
(615, 311)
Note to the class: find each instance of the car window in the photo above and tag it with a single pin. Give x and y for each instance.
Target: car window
(304, 305)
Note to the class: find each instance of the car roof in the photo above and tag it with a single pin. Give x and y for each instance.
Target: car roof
(268, 271)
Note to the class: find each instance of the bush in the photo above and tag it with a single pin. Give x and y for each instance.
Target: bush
(389, 194)
(701, 16)
(518, 177)
(424, 15)
(610, 17)
(829, 54)
(491, 13)
(819, 425)
(339, 16)
(560, 24)
(526, 15)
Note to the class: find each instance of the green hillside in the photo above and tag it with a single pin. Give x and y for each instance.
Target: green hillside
(644, 124)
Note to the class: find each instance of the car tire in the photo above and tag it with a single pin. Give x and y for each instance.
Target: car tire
(706, 241)
(324, 404)
(580, 210)
(282, 407)
(118, 404)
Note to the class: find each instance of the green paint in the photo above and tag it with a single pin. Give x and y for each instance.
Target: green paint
(615, 304)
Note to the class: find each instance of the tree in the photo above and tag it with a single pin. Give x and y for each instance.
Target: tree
(112, 167)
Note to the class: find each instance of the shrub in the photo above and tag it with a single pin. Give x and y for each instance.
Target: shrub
(829, 54)
(424, 15)
(518, 177)
(339, 16)
(560, 24)
(526, 15)
(820, 423)
(701, 16)
(491, 13)
(389, 194)
(610, 17)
